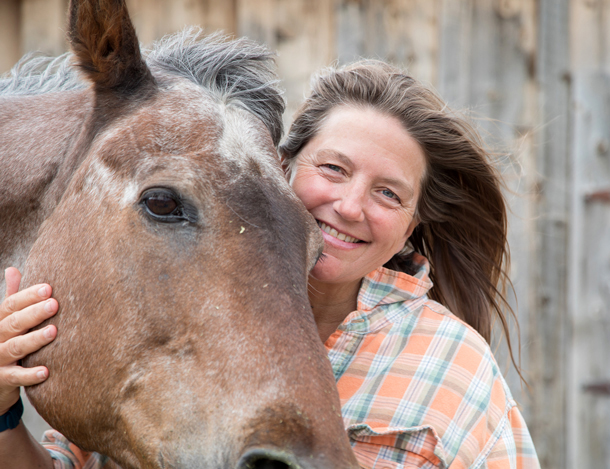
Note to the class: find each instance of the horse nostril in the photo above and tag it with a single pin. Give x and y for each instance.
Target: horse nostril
(268, 464)
(264, 458)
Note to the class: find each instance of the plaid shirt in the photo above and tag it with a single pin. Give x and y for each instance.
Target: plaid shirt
(419, 388)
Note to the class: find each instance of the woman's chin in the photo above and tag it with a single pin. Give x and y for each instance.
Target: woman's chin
(331, 270)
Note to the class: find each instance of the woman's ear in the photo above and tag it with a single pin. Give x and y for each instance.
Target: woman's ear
(412, 226)
(406, 248)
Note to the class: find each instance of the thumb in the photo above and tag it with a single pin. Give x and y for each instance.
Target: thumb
(13, 279)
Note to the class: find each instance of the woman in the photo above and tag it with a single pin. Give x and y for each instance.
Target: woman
(391, 176)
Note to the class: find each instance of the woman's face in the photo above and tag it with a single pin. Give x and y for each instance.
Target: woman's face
(360, 178)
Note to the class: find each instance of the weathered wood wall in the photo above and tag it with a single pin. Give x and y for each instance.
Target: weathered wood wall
(535, 74)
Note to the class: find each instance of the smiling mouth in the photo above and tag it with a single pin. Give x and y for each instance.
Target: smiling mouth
(335, 234)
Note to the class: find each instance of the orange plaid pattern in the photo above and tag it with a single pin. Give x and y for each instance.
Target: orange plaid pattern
(419, 388)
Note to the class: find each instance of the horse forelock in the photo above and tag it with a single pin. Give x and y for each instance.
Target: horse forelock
(239, 71)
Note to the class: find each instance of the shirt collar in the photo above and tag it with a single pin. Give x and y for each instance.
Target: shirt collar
(384, 286)
(387, 287)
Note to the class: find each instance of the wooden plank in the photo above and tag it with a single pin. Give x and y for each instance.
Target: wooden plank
(588, 412)
(154, 19)
(550, 323)
(43, 26)
(401, 32)
(256, 19)
(455, 51)
(350, 37)
(9, 34)
(305, 45)
(301, 31)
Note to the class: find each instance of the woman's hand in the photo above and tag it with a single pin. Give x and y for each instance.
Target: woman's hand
(19, 312)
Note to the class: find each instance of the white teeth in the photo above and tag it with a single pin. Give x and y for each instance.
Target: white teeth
(335, 234)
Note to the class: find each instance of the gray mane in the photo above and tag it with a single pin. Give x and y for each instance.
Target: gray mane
(239, 72)
(39, 74)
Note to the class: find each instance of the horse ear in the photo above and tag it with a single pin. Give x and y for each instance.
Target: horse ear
(105, 44)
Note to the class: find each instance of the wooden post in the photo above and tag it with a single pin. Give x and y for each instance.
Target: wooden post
(301, 31)
(10, 37)
(154, 19)
(588, 404)
(550, 331)
(43, 26)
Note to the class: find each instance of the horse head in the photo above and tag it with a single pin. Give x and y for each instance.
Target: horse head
(179, 257)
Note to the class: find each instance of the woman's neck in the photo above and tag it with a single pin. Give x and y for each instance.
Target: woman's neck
(331, 303)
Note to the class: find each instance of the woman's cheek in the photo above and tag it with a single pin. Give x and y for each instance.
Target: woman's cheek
(311, 190)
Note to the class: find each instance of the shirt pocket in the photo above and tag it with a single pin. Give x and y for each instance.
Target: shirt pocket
(397, 448)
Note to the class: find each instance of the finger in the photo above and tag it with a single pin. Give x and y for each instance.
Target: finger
(12, 277)
(23, 299)
(20, 346)
(26, 319)
(15, 376)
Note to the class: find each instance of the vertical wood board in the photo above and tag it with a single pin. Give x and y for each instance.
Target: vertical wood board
(549, 323)
(43, 26)
(10, 36)
(154, 19)
(589, 411)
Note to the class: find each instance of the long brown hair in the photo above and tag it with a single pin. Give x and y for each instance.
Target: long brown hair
(463, 221)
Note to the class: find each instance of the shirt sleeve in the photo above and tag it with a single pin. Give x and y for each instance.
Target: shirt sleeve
(515, 448)
(67, 455)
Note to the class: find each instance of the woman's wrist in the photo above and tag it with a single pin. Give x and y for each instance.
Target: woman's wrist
(11, 418)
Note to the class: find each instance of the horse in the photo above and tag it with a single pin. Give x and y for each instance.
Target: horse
(144, 186)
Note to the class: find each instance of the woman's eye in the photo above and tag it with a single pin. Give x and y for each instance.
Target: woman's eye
(333, 167)
(389, 194)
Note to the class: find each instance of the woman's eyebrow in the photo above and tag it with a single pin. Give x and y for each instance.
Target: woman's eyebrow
(336, 154)
(400, 184)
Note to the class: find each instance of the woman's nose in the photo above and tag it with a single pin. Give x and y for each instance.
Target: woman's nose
(350, 204)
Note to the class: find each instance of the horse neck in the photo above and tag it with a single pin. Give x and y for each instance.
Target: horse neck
(45, 140)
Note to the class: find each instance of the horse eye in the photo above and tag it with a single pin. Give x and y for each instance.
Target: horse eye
(165, 206)
(161, 204)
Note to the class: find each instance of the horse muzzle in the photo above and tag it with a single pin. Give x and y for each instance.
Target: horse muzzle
(267, 458)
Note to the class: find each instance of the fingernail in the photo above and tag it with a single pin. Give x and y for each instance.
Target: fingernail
(48, 306)
(43, 291)
(48, 332)
(42, 374)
